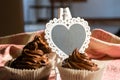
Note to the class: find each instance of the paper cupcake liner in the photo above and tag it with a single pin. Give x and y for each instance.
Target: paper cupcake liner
(29, 74)
(73, 74)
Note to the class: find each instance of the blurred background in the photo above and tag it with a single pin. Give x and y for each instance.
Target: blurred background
(18, 16)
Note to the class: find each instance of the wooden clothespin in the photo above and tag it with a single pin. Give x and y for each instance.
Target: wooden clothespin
(64, 13)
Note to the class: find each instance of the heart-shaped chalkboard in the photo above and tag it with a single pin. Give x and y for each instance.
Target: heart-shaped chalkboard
(64, 37)
(68, 39)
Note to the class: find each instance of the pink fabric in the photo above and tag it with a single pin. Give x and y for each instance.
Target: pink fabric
(112, 70)
(8, 51)
(11, 50)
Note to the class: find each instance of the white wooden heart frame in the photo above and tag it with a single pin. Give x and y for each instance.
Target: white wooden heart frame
(67, 23)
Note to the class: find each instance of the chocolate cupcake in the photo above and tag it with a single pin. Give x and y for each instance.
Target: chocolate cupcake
(78, 66)
(34, 55)
(79, 61)
(34, 63)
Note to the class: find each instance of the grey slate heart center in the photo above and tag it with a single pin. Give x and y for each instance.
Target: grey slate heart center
(68, 39)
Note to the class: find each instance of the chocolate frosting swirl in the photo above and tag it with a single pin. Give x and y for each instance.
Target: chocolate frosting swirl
(79, 61)
(34, 55)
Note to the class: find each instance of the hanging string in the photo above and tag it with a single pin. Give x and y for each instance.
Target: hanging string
(66, 3)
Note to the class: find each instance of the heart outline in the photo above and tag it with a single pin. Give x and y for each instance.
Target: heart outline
(67, 23)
